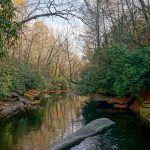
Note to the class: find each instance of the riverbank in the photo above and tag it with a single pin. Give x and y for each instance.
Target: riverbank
(23, 103)
(140, 106)
(17, 104)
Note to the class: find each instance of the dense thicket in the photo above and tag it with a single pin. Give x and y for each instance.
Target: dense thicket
(18, 77)
(118, 53)
(118, 71)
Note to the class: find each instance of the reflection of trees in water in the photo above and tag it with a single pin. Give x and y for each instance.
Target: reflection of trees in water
(61, 114)
(14, 128)
(89, 111)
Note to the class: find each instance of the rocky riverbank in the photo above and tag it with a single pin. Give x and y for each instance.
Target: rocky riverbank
(17, 103)
(140, 106)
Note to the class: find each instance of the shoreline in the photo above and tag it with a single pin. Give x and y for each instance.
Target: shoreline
(19, 103)
(141, 106)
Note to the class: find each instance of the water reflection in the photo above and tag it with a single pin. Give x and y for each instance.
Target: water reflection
(128, 133)
(59, 116)
(62, 115)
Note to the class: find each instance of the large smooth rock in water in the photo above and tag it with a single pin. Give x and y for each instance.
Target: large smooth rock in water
(99, 142)
(91, 143)
(91, 129)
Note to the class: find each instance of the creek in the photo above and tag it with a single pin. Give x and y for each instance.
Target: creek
(61, 115)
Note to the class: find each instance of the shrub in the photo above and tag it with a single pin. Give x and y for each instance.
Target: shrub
(5, 81)
(18, 78)
(118, 71)
(59, 84)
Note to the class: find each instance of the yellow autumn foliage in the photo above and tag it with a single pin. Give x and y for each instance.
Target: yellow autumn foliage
(19, 2)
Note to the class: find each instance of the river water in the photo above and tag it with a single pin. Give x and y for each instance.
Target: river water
(61, 115)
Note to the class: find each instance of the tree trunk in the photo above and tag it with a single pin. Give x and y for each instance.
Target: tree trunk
(144, 10)
(97, 24)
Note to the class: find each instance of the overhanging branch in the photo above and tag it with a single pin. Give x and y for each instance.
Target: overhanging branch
(61, 15)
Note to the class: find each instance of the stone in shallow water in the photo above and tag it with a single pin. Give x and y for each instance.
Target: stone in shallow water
(100, 142)
(91, 129)
(91, 143)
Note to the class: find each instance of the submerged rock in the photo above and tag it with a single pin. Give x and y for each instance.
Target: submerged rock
(97, 143)
(91, 129)
(91, 143)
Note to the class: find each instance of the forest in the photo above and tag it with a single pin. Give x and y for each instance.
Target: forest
(115, 47)
(119, 65)
(33, 55)
(85, 47)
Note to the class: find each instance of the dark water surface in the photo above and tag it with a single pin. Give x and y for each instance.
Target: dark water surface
(60, 115)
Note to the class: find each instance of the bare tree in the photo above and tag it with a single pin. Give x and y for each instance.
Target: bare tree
(50, 8)
(113, 21)
(143, 6)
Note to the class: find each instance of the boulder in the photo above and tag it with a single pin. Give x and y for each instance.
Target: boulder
(11, 107)
(91, 143)
(91, 129)
(97, 143)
